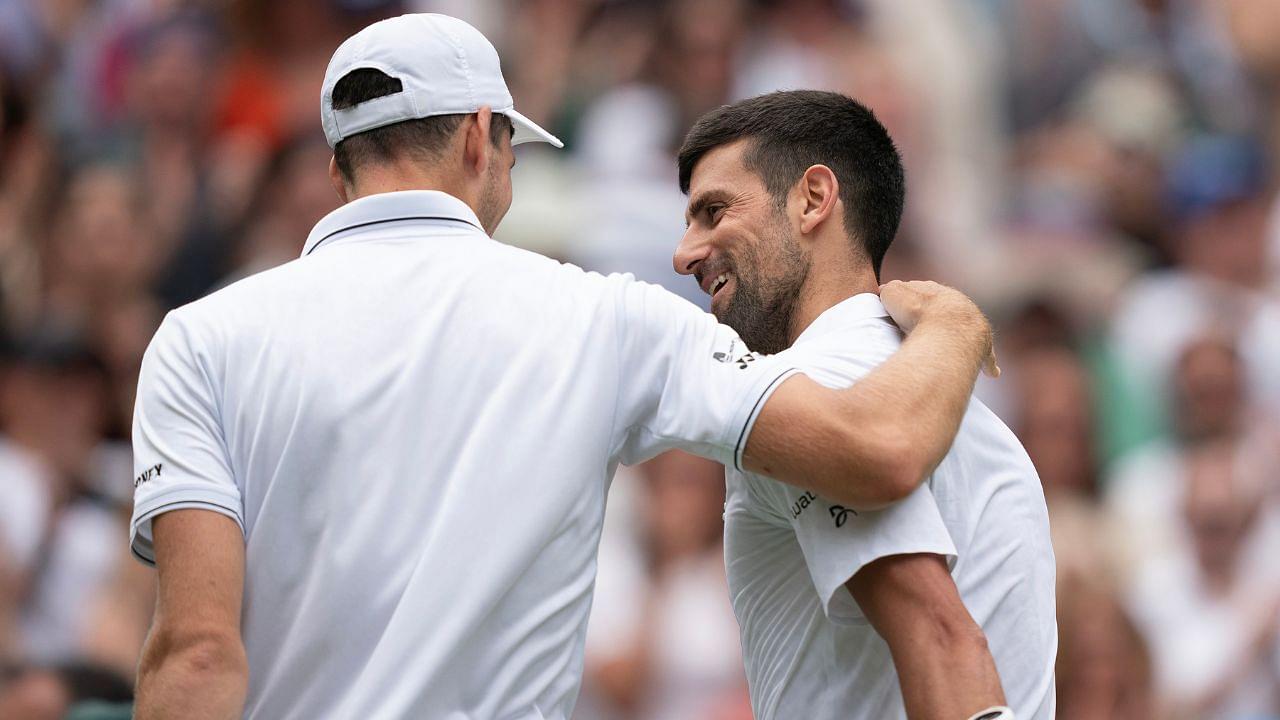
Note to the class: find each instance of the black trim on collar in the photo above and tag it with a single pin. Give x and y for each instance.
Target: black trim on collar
(322, 240)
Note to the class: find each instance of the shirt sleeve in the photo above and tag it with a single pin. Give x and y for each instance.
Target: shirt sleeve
(687, 381)
(837, 541)
(180, 458)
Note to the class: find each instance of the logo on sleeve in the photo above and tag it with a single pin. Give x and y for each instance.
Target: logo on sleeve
(147, 475)
(729, 348)
(730, 352)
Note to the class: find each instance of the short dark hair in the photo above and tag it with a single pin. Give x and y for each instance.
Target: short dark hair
(793, 130)
(425, 137)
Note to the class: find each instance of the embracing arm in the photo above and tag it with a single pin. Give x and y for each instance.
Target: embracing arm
(193, 664)
(875, 442)
(944, 667)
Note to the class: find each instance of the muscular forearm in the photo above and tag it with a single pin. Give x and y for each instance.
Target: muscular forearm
(946, 673)
(944, 665)
(201, 680)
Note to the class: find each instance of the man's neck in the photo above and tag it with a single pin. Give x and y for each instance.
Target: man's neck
(404, 175)
(822, 292)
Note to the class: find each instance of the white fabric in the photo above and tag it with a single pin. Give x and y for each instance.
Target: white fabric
(415, 426)
(808, 650)
(446, 67)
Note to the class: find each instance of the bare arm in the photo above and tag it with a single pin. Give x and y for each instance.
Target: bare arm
(872, 444)
(944, 667)
(193, 664)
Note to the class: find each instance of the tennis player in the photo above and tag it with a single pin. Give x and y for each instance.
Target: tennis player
(372, 479)
(939, 606)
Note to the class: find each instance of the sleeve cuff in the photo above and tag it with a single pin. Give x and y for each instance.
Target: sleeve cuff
(838, 602)
(177, 498)
(757, 400)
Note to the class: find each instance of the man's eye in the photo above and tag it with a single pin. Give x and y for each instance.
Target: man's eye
(713, 213)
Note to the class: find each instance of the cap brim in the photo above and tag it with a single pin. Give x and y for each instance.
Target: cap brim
(527, 130)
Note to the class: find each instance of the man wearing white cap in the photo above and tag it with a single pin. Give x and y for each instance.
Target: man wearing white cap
(372, 479)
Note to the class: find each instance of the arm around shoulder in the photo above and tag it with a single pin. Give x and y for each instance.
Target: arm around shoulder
(873, 443)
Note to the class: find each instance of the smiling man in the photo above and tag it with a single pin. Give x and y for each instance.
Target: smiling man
(939, 606)
(372, 479)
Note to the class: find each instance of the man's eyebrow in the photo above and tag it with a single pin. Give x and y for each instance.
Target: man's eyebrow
(701, 201)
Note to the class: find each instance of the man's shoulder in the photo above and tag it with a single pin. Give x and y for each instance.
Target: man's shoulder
(841, 356)
(247, 291)
(242, 306)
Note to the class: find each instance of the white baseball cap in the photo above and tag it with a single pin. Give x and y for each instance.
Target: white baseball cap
(446, 66)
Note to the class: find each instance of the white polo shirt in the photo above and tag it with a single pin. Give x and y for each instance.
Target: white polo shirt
(809, 652)
(416, 426)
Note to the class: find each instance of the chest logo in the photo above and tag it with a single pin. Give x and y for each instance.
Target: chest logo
(802, 504)
(840, 514)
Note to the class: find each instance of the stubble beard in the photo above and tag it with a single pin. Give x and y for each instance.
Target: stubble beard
(762, 308)
(490, 210)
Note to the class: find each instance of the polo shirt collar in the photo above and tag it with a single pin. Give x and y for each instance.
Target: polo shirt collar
(849, 311)
(404, 205)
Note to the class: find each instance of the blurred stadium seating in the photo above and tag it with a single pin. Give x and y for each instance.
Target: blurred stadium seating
(1099, 174)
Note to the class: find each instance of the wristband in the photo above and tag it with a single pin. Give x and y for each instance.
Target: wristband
(994, 713)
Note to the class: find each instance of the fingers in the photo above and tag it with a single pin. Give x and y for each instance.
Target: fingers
(908, 302)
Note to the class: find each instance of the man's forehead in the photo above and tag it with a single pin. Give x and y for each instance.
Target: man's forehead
(720, 162)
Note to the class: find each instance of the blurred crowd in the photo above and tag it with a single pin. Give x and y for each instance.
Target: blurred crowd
(1098, 174)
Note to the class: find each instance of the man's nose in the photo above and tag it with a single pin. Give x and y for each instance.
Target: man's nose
(693, 249)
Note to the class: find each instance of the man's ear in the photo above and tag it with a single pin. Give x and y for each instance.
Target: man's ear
(476, 146)
(335, 179)
(819, 192)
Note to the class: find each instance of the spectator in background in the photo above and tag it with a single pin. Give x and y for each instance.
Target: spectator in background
(1104, 666)
(1218, 189)
(662, 643)
(51, 692)
(62, 535)
(632, 207)
(1056, 423)
(1208, 401)
(24, 164)
(102, 248)
(293, 196)
(1212, 616)
(172, 70)
(1093, 169)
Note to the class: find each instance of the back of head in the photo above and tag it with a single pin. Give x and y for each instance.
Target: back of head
(793, 130)
(401, 87)
(423, 140)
